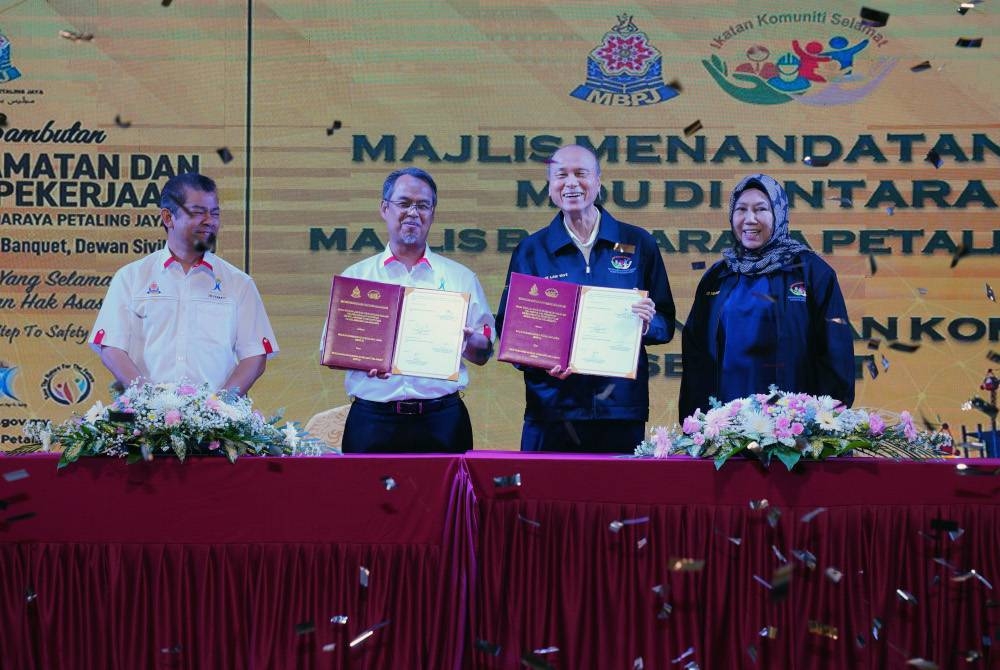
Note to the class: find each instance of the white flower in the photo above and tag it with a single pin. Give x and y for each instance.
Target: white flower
(757, 423)
(292, 438)
(94, 413)
(46, 437)
(827, 421)
(166, 401)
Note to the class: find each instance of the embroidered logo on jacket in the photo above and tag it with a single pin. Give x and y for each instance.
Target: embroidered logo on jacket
(620, 264)
(797, 292)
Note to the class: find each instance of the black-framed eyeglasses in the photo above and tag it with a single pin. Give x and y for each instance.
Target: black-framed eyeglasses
(422, 206)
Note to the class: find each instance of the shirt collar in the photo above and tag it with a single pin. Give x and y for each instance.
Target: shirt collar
(558, 237)
(167, 259)
(388, 258)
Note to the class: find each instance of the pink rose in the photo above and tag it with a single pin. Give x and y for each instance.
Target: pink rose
(797, 428)
(186, 389)
(691, 425)
(213, 445)
(698, 439)
(213, 403)
(172, 418)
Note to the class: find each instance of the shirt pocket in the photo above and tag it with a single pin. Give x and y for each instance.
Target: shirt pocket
(155, 316)
(216, 323)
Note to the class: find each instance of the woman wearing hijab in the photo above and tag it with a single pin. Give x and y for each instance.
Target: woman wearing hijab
(770, 312)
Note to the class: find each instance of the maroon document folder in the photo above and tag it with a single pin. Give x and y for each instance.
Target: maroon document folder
(538, 324)
(361, 324)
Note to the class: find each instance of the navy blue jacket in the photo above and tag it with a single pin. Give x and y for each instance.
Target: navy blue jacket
(636, 263)
(815, 340)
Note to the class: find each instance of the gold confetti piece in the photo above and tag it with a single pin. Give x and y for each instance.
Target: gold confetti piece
(693, 128)
(340, 619)
(334, 128)
(920, 67)
(488, 647)
(225, 154)
(329, 647)
(923, 664)
(389, 483)
(363, 575)
(874, 17)
(815, 161)
(969, 42)
(823, 629)
(770, 632)
(686, 564)
(809, 516)
(15, 475)
(834, 574)
(305, 627)
(367, 633)
(530, 522)
(758, 504)
(510, 480)
(906, 596)
(806, 557)
(688, 652)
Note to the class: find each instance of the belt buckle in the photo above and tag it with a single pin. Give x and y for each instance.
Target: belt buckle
(409, 407)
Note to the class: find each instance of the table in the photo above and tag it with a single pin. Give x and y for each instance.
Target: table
(210, 565)
(552, 572)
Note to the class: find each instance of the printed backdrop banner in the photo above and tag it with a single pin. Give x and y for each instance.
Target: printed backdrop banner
(312, 104)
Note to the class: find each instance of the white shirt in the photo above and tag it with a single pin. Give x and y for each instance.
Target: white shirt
(432, 271)
(175, 326)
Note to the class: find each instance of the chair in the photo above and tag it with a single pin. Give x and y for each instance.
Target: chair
(328, 425)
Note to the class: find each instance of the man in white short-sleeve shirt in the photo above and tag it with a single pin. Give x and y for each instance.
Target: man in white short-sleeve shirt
(402, 413)
(183, 313)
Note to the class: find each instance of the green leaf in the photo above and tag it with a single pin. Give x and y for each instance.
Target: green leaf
(788, 456)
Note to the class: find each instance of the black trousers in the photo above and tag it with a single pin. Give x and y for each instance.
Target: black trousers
(434, 426)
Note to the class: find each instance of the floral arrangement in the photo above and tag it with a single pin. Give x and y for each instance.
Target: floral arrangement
(790, 427)
(150, 418)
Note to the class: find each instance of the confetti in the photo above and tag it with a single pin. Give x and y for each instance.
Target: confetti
(698, 265)
(961, 251)
(945, 563)
(872, 267)
(30, 595)
(773, 517)
(890, 210)
(758, 504)
(872, 368)
(616, 526)
(972, 573)
(770, 632)
(686, 564)
(963, 8)
(363, 575)
(693, 128)
(885, 363)
(922, 291)
(860, 641)
(816, 162)
(510, 480)
(823, 629)
(389, 483)
(530, 522)
(736, 540)
(906, 596)
(665, 610)
(339, 619)
(305, 627)
(15, 475)
(752, 653)
(641, 543)
(367, 633)
(334, 128)
(688, 652)
(905, 348)
(874, 17)
(955, 534)
(606, 392)
(838, 320)
(874, 343)
(121, 123)
(990, 294)
(638, 664)
(780, 581)
(532, 661)
(993, 356)
(920, 67)
(969, 42)
(763, 582)
(488, 647)
(546, 650)
(806, 557)
(225, 154)
(777, 552)
(809, 516)
(876, 628)
(972, 655)
(934, 158)
(923, 664)
(176, 649)
(659, 589)
(74, 36)
(330, 647)
(834, 574)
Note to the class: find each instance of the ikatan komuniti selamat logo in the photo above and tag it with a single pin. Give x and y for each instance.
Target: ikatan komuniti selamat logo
(812, 58)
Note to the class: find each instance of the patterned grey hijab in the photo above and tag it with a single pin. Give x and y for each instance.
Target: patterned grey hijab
(780, 248)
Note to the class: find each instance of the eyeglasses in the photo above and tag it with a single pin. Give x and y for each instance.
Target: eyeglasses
(422, 206)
